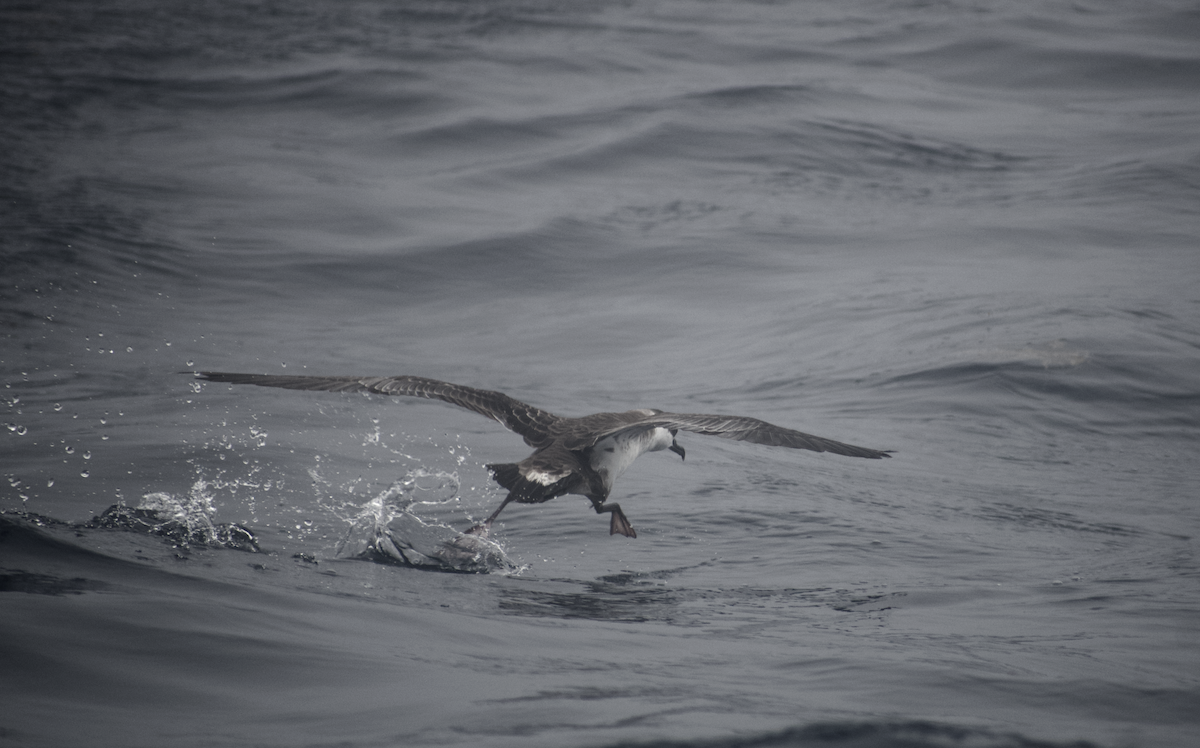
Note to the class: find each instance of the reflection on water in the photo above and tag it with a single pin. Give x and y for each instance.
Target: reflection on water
(639, 597)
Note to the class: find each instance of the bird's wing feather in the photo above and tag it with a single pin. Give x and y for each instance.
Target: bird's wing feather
(531, 423)
(743, 428)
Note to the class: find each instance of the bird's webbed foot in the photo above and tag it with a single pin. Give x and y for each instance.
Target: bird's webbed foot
(619, 523)
(481, 529)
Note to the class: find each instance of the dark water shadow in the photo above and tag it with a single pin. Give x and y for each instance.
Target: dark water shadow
(910, 734)
(652, 596)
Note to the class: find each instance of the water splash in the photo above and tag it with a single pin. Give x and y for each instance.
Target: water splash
(387, 529)
(186, 520)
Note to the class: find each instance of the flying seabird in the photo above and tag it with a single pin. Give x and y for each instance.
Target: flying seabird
(582, 456)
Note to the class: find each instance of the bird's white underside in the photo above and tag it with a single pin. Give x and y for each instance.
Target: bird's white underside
(611, 456)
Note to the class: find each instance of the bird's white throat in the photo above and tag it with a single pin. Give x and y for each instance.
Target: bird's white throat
(612, 456)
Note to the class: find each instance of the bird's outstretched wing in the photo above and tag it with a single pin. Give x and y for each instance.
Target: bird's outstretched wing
(744, 429)
(531, 423)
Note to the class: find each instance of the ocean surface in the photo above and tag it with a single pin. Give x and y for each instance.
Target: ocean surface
(965, 231)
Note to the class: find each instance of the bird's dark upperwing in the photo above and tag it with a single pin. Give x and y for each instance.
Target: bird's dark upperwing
(531, 423)
(743, 429)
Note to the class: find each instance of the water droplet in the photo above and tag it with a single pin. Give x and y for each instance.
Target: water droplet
(87, 455)
(103, 421)
(57, 407)
(70, 450)
(22, 431)
(190, 364)
(129, 349)
(50, 483)
(84, 474)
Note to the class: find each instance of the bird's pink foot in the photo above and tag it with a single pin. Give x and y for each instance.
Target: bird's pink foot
(619, 524)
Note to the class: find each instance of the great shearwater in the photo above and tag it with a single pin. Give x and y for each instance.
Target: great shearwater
(582, 456)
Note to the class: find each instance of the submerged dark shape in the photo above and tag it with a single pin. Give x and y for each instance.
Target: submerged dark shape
(581, 456)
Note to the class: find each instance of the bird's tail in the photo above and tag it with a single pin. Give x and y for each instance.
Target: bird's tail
(526, 491)
(506, 474)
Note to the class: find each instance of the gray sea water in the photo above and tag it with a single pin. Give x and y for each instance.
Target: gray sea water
(965, 231)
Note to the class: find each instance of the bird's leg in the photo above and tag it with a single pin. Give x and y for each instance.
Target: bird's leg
(619, 522)
(482, 528)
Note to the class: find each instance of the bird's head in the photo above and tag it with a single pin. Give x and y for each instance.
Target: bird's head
(675, 445)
